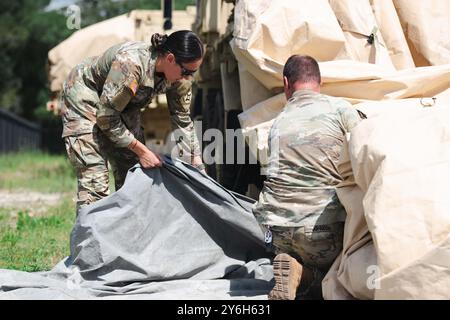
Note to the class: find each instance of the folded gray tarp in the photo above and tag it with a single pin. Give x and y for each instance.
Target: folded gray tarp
(168, 233)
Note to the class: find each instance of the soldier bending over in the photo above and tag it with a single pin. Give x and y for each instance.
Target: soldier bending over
(102, 98)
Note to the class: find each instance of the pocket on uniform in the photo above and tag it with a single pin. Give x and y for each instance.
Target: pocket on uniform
(321, 243)
(69, 142)
(85, 151)
(77, 148)
(320, 233)
(282, 238)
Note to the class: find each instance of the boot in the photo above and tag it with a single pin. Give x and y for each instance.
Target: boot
(287, 273)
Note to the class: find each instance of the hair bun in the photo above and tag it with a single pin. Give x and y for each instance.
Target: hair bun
(158, 40)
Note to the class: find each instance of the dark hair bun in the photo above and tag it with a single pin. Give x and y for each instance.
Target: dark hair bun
(158, 41)
(185, 45)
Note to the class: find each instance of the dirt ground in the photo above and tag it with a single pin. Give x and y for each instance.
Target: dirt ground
(35, 203)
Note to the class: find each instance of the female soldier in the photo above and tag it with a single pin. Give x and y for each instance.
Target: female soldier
(101, 102)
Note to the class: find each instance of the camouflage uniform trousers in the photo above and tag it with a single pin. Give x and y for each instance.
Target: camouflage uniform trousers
(90, 154)
(315, 247)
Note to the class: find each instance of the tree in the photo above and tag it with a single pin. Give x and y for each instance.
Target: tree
(27, 33)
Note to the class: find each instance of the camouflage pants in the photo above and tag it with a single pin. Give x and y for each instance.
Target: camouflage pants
(315, 247)
(90, 155)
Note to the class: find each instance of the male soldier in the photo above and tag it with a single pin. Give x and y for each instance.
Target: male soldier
(298, 207)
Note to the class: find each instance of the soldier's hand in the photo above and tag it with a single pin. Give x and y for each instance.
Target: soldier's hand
(198, 163)
(150, 159)
(147, 158)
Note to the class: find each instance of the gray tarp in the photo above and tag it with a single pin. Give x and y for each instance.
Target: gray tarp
(169, 233)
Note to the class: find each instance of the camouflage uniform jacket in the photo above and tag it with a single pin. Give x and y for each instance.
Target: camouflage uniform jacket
(302, 176)
(109, 90)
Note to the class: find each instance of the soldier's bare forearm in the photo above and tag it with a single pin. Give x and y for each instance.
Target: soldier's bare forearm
(137, 147)
(147, 158)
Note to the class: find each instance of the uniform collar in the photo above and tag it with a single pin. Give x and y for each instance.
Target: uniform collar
(151, 75)
(304, 93)
(298, 97)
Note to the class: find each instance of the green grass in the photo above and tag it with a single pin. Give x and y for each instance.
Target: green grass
(36, 243)
(36, 171)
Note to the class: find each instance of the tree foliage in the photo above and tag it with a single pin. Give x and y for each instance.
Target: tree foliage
(27, 33)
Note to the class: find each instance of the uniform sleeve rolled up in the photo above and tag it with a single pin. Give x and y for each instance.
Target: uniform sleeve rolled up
(109, 121)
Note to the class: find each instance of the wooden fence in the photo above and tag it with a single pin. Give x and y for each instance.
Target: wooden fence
(18, 134)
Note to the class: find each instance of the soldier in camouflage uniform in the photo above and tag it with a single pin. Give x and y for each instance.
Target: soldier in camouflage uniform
(298, 207)
(102, 98)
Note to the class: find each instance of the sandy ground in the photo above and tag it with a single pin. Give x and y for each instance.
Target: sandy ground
(35, 203)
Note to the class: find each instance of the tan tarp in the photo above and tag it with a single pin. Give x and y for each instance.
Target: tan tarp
(426, 25)
(266, 33)
(357, 82)
(392, 32)
(89, 41)
(417, 82)
(266, 30)
(252, 90)
(358, 22)
(401, 166)
(245, 14)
